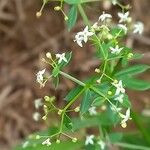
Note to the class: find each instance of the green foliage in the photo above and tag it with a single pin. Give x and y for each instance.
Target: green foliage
(72, 17)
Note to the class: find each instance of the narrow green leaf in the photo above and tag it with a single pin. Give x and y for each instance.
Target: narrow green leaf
(98, 101)
(115, 137)
(56, 81)
(137, 84)
(75, 91)
(68, 122)
(79, 1)
(86, 102)
(133, 70)
(72, 17)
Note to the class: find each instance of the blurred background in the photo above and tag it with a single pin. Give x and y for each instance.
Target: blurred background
(24, 40)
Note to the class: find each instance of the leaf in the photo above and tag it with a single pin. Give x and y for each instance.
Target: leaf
(98, 101)
(117, 32)
(86, 102)
(68, 122)
(75, 91)
(79, 1)
(72, 17)
(126, 103)
(133, 70)
(137, 84)
(115, 137)
(55, 71)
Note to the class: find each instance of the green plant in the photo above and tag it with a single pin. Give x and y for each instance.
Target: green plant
(104, 102)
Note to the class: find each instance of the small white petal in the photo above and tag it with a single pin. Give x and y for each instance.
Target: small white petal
(89, 140)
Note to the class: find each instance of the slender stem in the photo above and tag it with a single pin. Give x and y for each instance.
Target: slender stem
(72, 78)
(132, 146)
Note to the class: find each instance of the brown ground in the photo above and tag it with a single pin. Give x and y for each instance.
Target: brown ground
(24, 39)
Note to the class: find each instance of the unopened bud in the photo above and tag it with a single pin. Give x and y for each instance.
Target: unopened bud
(57, 8)
(66, 18)
(97, 70)
(44, 117)
(115, 81)
(38, 14)
(109, 92)
(37, 137)
(124, 125)
(60, 112)
(98, 81)
(74, 140)
(77, 109)
(103, 107)
(48, 55)
(57, 141)
(130, 55)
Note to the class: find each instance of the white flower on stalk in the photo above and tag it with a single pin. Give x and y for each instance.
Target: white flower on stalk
(83, 36)
(123, 27)
(123, 16)
(125, 118)
(40, 78)
(119, 87)
(36, 116)
(92, 111)
(102, 144)
(138, 28)
(89, 140)
(61, 57)
(120, 98)
(116, 50)
(47, 142)
(104, 16)
(25, 144)
(38, 103)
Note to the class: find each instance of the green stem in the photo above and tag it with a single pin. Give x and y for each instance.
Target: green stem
(132, 146)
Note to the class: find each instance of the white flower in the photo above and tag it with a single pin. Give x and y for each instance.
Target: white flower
(36, 116)
(119, 87)
(61, 58)
(125, 118)
(92, 111)
(89, 140)
(123, 16)
(38, 103)
(104, 16)
(123, 27)
(120, 98)
(40, 78)
(25, 144)
(116, 50)
(83, 36)
(102, 144)
(138, 28)
(47, 142)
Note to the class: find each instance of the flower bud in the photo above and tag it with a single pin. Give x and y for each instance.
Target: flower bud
(57, 8)
(44, 117)
(115, 81)
(66, 18)
(77, 109)
(38, 14)
(109, 92)
(57, 141)
(37, 137)
(48, 55)
(97, 70)
(74, 140)
(60, 112)
(130, 55)
(124, 125)
(98, 81)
